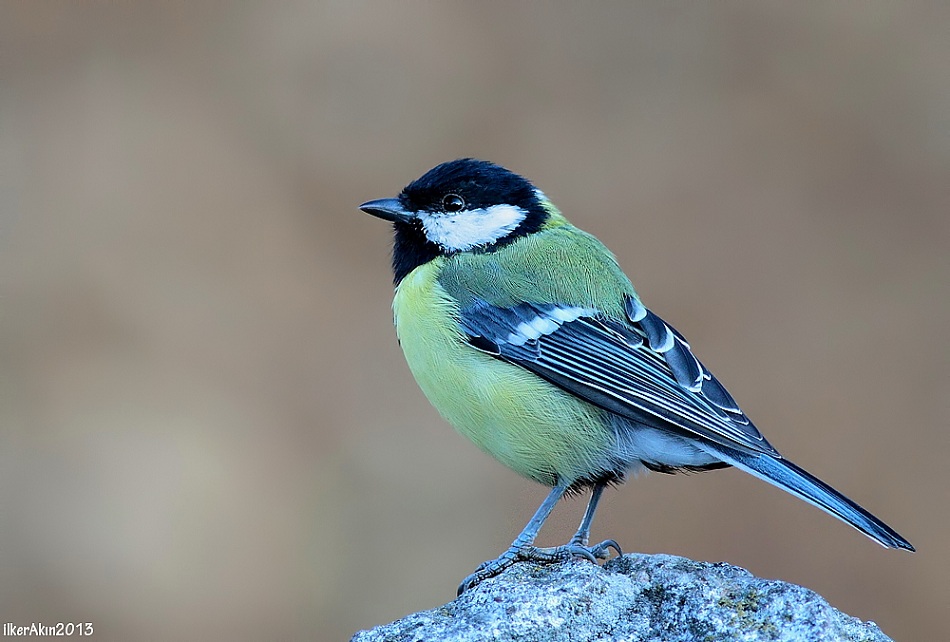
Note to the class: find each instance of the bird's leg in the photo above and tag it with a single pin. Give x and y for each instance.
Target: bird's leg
(521, 547)
(578, 546)
(581, 537)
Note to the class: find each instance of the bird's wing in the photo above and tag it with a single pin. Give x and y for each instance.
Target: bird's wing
(640, 368)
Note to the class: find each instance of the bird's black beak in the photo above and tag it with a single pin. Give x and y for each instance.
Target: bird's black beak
(388, 209)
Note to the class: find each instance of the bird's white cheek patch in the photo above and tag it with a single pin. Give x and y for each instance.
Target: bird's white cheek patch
(461, 231)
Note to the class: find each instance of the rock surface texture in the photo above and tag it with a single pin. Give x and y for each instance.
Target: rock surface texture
(633, 598)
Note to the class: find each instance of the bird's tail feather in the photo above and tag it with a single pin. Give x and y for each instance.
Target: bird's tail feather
(798, 482)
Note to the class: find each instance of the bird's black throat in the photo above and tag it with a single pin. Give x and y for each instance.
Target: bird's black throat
(411, 249)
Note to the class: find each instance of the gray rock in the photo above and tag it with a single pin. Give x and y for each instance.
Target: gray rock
(634, 598)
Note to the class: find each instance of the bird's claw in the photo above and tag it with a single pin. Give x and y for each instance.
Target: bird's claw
(602, 551)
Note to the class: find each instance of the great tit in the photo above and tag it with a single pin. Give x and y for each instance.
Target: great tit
(527, 337)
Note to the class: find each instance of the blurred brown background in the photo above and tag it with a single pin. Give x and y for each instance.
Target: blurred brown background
(207, 430)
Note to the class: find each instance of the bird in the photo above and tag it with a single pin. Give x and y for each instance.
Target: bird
(528, 338)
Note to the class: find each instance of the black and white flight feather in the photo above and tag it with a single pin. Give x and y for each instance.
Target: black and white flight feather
(640, 368)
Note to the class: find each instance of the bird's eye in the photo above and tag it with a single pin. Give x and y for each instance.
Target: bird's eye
(452, 203)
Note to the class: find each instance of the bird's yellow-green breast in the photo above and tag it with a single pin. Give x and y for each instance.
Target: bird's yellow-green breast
(523, 421)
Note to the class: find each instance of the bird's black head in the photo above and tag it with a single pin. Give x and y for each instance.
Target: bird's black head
(460, 206)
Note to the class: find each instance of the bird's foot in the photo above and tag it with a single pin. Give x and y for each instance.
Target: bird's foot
(551, 555)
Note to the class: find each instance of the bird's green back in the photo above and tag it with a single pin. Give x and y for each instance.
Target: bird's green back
(559, 264)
